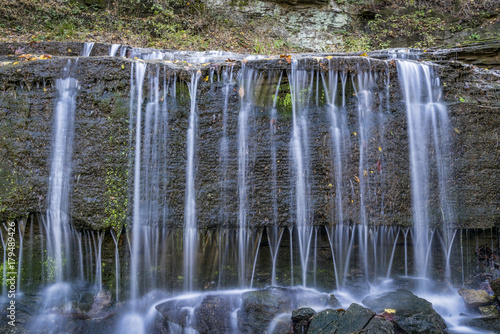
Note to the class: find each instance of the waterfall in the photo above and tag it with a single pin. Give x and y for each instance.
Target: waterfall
(190, 223)
(274, 233)
(87, 49)
(229, 161)
(428, 128)
(140, 69)
(114, 49)
(227, 77)
(301, 82)
(60, 173)
(246, 92)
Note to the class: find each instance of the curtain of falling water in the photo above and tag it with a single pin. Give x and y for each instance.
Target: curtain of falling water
(248, 81)
(140, 70)
(60, 171)
(427, 131)
(190, 223)
(301, 83)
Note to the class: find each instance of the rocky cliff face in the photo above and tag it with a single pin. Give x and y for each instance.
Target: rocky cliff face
(103, 150)
(307, 23)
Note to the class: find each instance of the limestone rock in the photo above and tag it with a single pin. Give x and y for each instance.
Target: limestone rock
(475, 298)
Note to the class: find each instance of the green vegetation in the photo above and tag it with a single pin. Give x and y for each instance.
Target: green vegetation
(420, 24)
(116, 195)
(174, 24)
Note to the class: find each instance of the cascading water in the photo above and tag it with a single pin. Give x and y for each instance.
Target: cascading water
(87, 49)
(190, 223)
(322, 165)
(114, 49)
(428, 128)
(246, 92)
(227, 77)
(301, 88)
(274, 233)
(140, 70)
(60, 171)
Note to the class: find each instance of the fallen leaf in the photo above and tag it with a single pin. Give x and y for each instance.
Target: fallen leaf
(329, 57)
(364, 54)
(365, 173)
(288, 58)
(241, 92)
(380, 149)
(356, 178)
(457, 131)
(389, 310)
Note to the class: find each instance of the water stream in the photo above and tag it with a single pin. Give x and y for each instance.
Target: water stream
(296, 148)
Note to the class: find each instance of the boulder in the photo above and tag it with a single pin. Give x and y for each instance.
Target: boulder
(491, 325)
(101, 301)
(301, 319)
(495, 286)
(333, 302)
(214, 314)
(380, 325)
(355, 319)
(475, 298)
(340, 321)
(176, 311)
(282, 324)
(413, 314)
(326, 321)
(490, 311)
(260, 307)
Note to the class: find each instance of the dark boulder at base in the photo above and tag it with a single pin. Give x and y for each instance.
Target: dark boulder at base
(492, 325)
(495, 286)
(301, 319)
(260, 307)
(213, 315)
(326, 321)
(380, 325)
(413, 314)
(353, 320)
(176, 311)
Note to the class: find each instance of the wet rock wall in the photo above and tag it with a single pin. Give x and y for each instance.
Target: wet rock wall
(103, 155)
